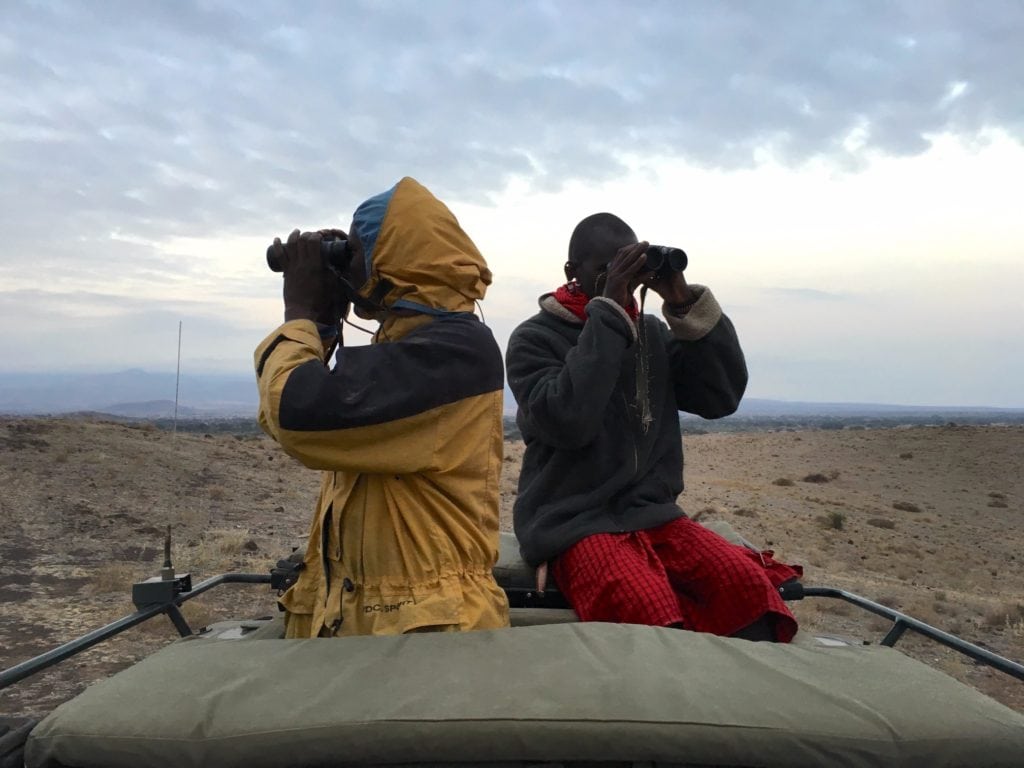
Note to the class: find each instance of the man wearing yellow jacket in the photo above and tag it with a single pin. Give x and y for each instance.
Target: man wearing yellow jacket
(407, 430)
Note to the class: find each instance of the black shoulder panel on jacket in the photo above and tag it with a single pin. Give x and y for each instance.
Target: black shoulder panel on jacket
(448, 360)
(267, 352)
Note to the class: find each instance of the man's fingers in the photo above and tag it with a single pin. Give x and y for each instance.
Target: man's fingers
(634, 248)
(630, 258)
(302, 251)
(337, 234)
(276, 253)
(309, 245)
(621, 264)
(640, 250)
(634, 263)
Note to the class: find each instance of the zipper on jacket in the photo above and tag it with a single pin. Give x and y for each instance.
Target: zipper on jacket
(633, 441)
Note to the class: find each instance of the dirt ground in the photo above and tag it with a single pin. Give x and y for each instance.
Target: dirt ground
(926, 520)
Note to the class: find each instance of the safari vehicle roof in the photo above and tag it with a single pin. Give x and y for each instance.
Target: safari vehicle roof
(605, 694)
(548, 691)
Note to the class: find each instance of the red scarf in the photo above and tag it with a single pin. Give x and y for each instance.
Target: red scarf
(572, 297)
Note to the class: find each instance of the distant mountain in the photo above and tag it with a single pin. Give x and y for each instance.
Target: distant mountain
(761, 408)
(752, 406)
(164, 409)
(128, 393)
(758, 414)
(142, 394)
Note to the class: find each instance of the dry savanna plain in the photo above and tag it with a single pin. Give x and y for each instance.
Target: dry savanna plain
(927, 520)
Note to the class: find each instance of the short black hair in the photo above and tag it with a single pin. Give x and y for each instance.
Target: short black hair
(598, 234)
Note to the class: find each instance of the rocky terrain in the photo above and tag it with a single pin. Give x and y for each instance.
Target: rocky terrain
(925, 519)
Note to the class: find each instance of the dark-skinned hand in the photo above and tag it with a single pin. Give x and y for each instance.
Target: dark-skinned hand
(624, 273)
(311, 291)
(671, 287)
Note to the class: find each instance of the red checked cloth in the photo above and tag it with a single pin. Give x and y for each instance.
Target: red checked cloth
(680, 574)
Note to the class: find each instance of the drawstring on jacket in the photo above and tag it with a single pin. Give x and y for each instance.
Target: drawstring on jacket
(643, 369)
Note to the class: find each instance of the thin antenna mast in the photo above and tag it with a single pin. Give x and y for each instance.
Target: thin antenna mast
(177, 380)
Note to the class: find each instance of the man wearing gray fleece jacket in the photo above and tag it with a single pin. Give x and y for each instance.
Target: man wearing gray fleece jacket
(599, 387)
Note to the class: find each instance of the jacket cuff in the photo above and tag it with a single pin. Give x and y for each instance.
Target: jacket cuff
(698, 320)
(619, 311)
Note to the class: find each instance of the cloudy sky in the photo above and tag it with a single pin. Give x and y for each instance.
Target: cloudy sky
(847, 177)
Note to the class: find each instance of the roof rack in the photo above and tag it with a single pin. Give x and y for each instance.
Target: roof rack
(165, 594)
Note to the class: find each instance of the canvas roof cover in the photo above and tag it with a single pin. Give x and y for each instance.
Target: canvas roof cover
(603, 693)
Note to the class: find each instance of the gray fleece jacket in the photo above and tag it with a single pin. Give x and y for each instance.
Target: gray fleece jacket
(592, 464)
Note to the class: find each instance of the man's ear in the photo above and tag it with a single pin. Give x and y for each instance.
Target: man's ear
(570, 271)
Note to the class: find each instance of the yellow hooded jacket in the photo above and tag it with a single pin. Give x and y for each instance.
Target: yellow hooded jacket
(408, 432)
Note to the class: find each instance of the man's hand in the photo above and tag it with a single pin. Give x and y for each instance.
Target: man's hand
(332, 234)
(624, 273)
(311, 291)
(671, 287)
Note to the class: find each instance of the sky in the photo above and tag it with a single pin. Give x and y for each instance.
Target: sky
(847, 177)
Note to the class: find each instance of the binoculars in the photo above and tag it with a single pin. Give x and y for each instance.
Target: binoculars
(664, 260)
(337, 255)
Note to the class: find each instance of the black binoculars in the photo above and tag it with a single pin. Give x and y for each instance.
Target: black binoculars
(664, 260)
(337, 255)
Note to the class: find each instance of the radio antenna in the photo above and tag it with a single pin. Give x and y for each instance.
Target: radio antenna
(167, 572)
(177, 380)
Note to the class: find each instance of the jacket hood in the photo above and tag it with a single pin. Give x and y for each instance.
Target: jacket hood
(417, 255)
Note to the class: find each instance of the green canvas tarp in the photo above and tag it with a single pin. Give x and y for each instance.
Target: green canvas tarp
(604, 694)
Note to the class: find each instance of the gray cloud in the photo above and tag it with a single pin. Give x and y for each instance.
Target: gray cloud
(195, 119)
(100, 331)
(178, 118)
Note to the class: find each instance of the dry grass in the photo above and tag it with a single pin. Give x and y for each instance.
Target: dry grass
(191, 518)
(1004, 615)
(783, 481)
(837, 607)
(110, 578)
(905, 573)
(708, 512)
(815, 558)
(219, 550)
(905, 506)
(879, 625)
(833, 520)
(882, 522)
(912, 550)
(229, 542)
(816, 477)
